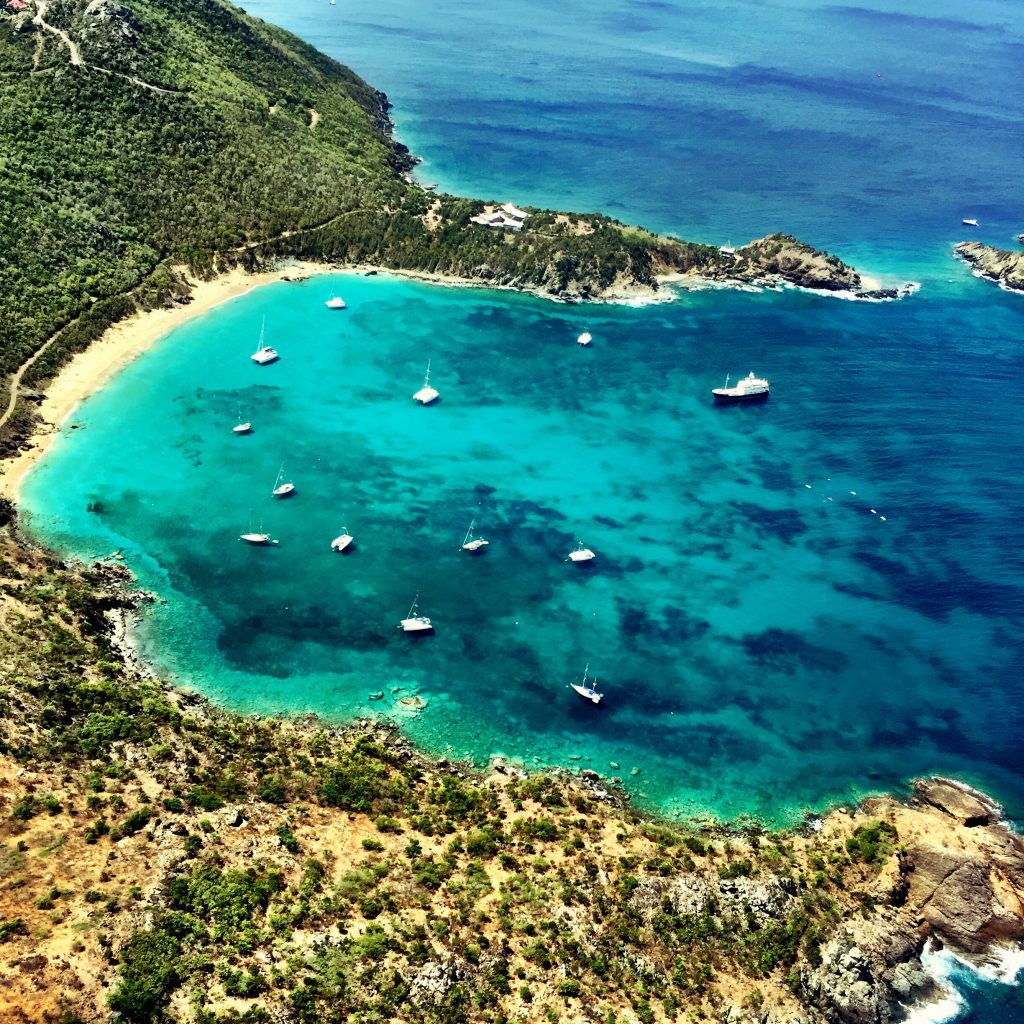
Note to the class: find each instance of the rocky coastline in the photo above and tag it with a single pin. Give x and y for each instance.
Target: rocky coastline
(333, 849)
(1003, 266)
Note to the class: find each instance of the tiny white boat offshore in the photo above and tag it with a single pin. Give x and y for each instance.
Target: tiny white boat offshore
(749, 389)
(426, 394)
(264, 353)
(257, 538)
(282, 490)
(341, 542)
(474, 545)
(587, 692)
(581, 554)
(584, 339)
(242, 428)
(971, 222)
(414, 623)
(335, 303)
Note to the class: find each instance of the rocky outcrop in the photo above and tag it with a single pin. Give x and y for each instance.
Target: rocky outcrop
(776, 258)
(1000, 265)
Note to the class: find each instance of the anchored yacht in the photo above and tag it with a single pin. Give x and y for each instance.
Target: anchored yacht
(414, 623)
(587, 692)
(473, 544)
(426, 394)
(749, 389)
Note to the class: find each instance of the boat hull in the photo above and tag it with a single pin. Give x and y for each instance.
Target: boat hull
(586, 693)
(417, 625)
(340, 544)
(726, 399)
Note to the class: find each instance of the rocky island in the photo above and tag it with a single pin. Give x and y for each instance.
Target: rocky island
(163, 860)
(1000, 265)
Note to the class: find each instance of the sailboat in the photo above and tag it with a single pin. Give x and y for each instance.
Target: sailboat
(335, 302)
(341, 542)
(257, 537)
(426, 394)
(587, 692)
(581, 554)
(585, 339)
(282, 490)
(240, 427)
(473, 544)
(264, 353)
(413, 623)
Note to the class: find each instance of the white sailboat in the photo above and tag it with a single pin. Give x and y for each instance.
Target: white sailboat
(584, 339)
(240, 427)
(341, 542)
(335, 303)
(587, 692)
(426, 394)
(413, 623)
(282, 490)
(473, 544)
(257, 537)
(264, 353)
(581, 554)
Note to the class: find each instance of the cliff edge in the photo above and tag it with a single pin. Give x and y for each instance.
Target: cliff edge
(1001, 265)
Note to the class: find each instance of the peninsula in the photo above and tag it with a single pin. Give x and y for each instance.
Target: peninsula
(1000, 265)
(151, 145)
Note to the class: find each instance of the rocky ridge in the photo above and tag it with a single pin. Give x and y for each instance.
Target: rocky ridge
(1000, 265)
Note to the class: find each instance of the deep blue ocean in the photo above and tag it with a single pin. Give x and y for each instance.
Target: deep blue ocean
(793, 604)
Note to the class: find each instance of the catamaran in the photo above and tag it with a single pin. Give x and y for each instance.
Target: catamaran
(264, 353)
(587, 692)
(426, 394)
(473, 544)
(335, 303)
(413, 623)
(282, 490)
(584, 339)
(341, 542)
(581, 554)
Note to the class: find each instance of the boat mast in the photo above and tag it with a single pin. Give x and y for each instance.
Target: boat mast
(469, 532)
(263, 331)
(412, 607)
(426, 380)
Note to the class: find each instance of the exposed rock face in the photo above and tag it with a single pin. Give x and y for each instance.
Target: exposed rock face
(783, 258)
(1001, 265)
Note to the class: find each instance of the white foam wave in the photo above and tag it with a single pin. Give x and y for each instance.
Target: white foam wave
(1005, 966)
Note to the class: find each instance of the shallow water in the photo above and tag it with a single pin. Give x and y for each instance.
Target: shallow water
(766, 642)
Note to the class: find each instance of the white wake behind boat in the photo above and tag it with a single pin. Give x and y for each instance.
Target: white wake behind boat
(585, 691)
(282, 490)
(473, 544)
(426, 394)
(335, 303)
(341, 542)
(264, 353)
(414, 623)
(584, 339)
(581, 554)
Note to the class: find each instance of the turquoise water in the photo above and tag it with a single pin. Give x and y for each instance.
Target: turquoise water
(763, 649)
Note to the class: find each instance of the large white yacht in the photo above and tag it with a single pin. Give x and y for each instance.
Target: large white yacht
(749, 389)
(426, 394)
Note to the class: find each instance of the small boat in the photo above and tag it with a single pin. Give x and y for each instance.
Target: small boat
(970, 222)
(257, 537)
(340, 543)
(413, 623)
(587, 692)
(242, 428)
(264, 353)
(584, 339)
(335, 303)
(749, 389)
(282, 490)
(581, 554)
(426, 394)
(473, 544)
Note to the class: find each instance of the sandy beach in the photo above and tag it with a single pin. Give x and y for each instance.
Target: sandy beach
(90, 370)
